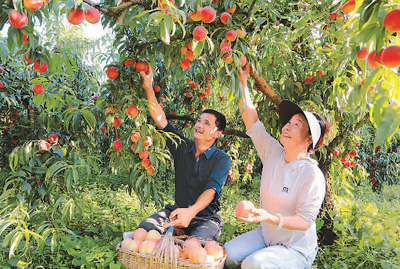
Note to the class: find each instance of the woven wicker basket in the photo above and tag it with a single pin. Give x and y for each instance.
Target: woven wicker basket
(134, 260)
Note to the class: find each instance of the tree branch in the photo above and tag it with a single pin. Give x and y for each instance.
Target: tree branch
(111, 11)
(264, 87)
(250, 12)
(228, 131)
(346, 132)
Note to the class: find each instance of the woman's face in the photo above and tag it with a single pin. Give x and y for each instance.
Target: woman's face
(295, 134)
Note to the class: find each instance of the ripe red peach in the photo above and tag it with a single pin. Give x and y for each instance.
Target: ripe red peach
(362, 54)
(391, 57)
(392, 20)
(349, 6)
(196, 16)
(231, 35)
(208, 14)
(244, 208)
(140, 234)
(224, 17)
(185, 64)
(200, 33)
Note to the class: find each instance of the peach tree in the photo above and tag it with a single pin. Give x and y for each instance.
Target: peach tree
(320, 54)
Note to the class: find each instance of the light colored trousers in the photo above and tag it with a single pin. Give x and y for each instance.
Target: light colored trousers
(250, 251)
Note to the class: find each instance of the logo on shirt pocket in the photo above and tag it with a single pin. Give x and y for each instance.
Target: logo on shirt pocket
(285, 189)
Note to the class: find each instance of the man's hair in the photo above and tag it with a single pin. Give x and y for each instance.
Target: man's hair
(220, 122)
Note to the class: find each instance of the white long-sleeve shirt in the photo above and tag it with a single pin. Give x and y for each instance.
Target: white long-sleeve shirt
(297, 188)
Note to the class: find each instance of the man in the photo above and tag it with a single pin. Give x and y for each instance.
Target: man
(201, 170)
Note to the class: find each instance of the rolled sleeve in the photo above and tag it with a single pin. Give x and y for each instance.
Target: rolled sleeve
(219, 175)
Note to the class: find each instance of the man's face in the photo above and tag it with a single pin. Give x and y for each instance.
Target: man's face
(205, 128)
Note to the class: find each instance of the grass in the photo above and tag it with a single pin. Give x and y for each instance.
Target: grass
(364, 220)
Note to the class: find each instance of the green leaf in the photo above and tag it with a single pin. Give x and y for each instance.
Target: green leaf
(59, 151)
(89, 117)
(164, 33)
(15, 242)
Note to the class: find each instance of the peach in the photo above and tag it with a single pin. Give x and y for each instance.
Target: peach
(125, 243)
(142, 66)
(231, 35)
(362, 54)
(76, 16)
(130, 62)
(241, 33)
(243, 209)
(18, 20)
(117, 122)
(112, 72)
(33, 4)
(224, 17)
(231, 10)
(148, 141)
(26, 59)
(150, 171)
(132, 111)
(194, 241)
(153, 235)
(373, 60)
(214, 250)
(134, 245)
(229, 59)
(146, 164)
(40, 66)
(209, 244)
(184, 50)
(135, 137)
(349, 6)
(117, 145)
(44, 146)
(200, 33)
(147, 247)
(92, 15)
(391, 57)
(198, 255)
(190, 56)
(53, 138)
(392, 20)
(143, 155)
(225, 44)
(208, 14)
(189, 245)
(38, 89)
(185, 64)
(196, 16)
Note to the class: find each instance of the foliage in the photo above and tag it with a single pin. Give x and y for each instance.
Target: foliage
(367, 226)
(303, 53)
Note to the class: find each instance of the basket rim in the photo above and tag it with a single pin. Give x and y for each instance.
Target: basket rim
(181, 238)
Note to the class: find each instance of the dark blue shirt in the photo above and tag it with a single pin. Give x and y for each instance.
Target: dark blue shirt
(193, 177)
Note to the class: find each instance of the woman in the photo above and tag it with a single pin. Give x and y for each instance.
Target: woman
(291, 192)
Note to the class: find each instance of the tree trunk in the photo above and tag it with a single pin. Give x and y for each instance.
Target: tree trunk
(326, 235)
